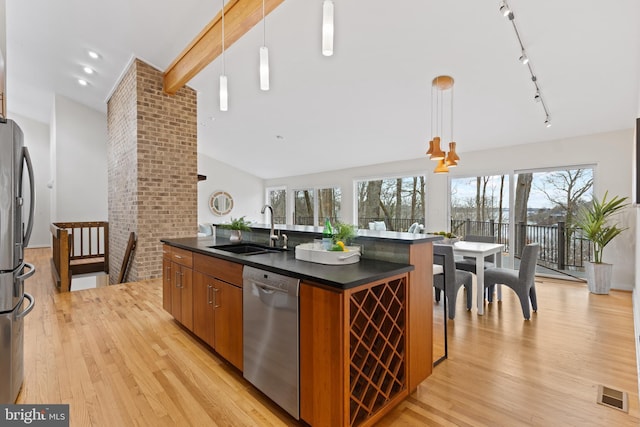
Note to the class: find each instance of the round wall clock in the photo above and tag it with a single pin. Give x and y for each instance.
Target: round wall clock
(220, 203)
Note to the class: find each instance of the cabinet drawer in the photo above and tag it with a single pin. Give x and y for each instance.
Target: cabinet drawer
(182, 256)
(227, 271)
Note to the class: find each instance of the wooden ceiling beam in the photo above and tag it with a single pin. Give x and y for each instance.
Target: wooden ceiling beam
(239, 17)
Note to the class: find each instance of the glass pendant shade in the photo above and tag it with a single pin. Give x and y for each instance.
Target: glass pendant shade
(224, 94)
(327, 28)
(442, 167)
(264, 68)
(437, 153)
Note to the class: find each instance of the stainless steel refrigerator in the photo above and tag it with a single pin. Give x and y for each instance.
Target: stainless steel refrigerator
(15, 166)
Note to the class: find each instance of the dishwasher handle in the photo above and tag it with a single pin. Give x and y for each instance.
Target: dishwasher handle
(269, 288)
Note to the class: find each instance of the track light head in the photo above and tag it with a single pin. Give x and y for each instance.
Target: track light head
(547, 122)
(504, 9)
(524, 58)
(537, 96)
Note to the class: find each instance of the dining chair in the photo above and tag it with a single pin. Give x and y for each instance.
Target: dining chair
(468, 263)
(522, 281)
(454, 279)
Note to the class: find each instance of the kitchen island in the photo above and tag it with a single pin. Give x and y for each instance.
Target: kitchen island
(365, 328)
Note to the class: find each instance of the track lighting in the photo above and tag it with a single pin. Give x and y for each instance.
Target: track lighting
(525, 60)
(504, 9)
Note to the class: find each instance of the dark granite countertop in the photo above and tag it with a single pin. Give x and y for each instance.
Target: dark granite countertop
(392, 236)
(337, 276)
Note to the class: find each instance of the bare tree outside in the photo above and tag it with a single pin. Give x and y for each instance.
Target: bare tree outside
(399, 202)
(277, 198)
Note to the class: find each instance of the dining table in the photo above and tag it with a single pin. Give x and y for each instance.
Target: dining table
(480, 250)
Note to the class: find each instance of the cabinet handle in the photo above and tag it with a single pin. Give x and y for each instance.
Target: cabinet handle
(209, 294)
(215, 298)
(168, 277)
(178, 256)
(179, 283)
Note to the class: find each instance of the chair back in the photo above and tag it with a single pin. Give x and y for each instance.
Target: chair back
(482, 239)
(443, 255)
(528, 263)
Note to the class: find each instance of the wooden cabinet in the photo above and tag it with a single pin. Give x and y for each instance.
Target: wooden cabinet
(204, 293)
(177, 285)
(217, 316)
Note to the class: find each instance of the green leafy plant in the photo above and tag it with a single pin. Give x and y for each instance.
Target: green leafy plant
(594, 220)
(344, 232)
(237, 224)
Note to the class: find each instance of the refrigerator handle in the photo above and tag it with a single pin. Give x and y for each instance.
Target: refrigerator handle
(32, 302)
(32, 194)
(28, 274)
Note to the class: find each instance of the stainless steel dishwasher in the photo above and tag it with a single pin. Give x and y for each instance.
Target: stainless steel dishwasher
(270, 336)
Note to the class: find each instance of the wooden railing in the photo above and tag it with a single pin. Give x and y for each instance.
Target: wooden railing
(78, 248)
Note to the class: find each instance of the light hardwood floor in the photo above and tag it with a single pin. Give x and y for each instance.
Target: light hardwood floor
(118, 359)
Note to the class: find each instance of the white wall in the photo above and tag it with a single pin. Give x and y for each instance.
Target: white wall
(610, 174)
(36, 139)
(79, 162)
(247, 191)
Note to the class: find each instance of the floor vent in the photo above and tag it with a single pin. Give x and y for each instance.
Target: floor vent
(613, 398)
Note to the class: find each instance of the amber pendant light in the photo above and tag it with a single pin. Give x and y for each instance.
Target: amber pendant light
(441, 86)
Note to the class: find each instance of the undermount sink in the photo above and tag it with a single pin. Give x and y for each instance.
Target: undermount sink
(247, 248)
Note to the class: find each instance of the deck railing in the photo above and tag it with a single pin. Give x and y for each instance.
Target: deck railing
(79, 247)
(561, 247)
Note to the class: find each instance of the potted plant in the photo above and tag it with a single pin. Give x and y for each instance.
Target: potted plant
(595, 222)
(344, 232)
(237, 226)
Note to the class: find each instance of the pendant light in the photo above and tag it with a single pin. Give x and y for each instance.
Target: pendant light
(439, 86)
(327, 28)
(224, 93)
(264, 56)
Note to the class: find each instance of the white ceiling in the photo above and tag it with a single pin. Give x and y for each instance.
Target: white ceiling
(367, 104)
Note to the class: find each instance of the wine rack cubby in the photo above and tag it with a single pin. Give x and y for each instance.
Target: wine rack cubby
(377, 342)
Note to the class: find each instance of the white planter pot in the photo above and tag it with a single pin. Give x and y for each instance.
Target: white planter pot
(599, 277)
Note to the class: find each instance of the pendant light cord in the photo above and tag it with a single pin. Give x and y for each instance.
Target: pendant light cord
(223, 64)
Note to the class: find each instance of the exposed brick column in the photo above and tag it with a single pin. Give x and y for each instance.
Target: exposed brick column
(152, 169)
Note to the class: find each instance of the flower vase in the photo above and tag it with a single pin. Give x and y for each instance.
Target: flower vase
(236, 236)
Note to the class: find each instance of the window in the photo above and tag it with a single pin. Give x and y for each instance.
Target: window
(399, 202)
(546, 205)
(326, 202)
(277, 198)
(544, 208)
(480, 206)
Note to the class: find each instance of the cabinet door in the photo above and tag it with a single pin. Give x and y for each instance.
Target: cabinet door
(228, 322)
(186, 297)
(166, 284)
(203, 314)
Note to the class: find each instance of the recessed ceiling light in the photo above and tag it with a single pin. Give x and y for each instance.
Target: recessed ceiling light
(88, 70)
(279, 137)
(93, 54)
(82, 82)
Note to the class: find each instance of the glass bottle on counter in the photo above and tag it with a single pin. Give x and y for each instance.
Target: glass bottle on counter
(327, 235)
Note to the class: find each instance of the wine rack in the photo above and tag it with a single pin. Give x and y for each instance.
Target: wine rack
(377, 342)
